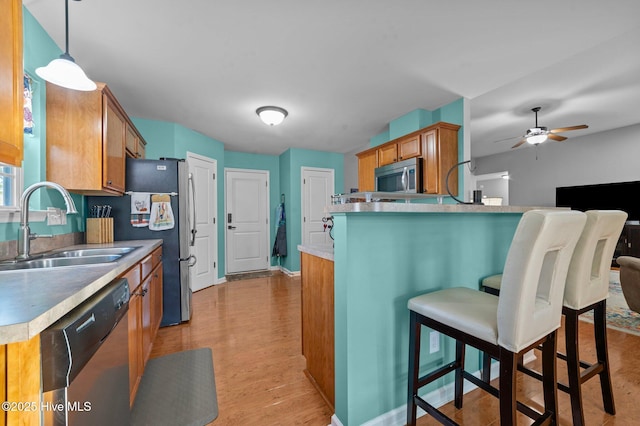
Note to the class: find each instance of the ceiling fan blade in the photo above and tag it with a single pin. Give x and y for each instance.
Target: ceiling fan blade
(519, 143)
(506, 139)
(566, 129)
(556, 137)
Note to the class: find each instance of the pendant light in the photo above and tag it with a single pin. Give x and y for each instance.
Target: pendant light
(64, 71)
(272, 115)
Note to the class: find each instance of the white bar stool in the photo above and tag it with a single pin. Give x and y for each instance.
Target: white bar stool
(587, 289)
(526, 314)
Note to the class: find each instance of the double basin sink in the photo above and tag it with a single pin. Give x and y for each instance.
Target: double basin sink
(73, 257)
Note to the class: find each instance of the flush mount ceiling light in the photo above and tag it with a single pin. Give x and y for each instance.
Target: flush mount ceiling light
(64, 71)
(272, 115)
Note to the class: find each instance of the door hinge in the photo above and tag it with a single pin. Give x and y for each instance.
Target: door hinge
(214, 265)
(214, 220)
(214, 176)
(304, 219)
(266, 221)
(304, 181)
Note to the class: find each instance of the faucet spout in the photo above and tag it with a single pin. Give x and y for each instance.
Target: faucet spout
(24, 233)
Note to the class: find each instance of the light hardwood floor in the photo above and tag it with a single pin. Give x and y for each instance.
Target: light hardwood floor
(253, 328)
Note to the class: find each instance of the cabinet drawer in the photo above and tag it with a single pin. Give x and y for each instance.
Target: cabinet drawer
(133, 277)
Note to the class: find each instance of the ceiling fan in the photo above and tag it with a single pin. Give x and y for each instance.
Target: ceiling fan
(538, 134)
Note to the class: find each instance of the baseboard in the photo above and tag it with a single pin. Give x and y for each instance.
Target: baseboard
(288, 272)
(437, 398)
(220, 281)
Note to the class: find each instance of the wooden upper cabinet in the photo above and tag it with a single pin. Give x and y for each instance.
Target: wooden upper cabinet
(409, 148)
(86, 139)
(135, 145)
(387, 154)
(11, 83)
(367, 163)
(440, 153)
(437, 145)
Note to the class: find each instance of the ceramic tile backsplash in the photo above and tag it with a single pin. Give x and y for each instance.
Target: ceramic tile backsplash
(9, 249)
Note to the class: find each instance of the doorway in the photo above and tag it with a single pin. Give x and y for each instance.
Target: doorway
(203, 171)
(317, 188)
(246, 220)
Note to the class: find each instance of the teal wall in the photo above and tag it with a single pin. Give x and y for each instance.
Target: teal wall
(421, 118)
(291, 163)
(39, 50)
(381, 261)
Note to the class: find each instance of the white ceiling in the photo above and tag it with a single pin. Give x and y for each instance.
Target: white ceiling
(344, 69)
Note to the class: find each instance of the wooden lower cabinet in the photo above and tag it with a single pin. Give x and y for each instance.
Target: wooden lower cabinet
(21, 382)
(145, 314)
(318, 323)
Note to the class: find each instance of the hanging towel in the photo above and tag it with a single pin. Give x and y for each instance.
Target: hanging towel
(161, 213)
(140, 209)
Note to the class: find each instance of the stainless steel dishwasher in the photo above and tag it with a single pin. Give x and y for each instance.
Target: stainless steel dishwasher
(85, 362)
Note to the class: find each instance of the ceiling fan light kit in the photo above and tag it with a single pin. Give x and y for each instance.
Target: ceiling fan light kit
(539, 134)
(64, 71)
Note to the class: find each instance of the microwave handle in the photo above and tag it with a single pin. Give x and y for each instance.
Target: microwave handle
(405, 179)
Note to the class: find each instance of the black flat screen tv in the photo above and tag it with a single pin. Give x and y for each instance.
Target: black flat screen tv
(607, 196)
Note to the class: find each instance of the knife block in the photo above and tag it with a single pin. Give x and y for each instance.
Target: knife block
(99, 230)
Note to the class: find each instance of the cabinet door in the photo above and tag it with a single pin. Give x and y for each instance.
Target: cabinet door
(430, 179)
(367, 163)
(131, 142)
(11, 83)
(387, 154)
(146, 319)
(113, 146)
(135, 343)
(410, 148)
(156, 300)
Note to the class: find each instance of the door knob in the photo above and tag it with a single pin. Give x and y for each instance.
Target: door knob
(231, 227)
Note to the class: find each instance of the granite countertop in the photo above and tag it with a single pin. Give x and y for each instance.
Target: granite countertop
(387, 207)
(32, 300)
(320, 250)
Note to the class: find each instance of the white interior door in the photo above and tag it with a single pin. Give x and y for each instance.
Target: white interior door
(247, 220)
(203, 171)
(317, 188)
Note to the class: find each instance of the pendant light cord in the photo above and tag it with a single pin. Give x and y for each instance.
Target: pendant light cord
(66, 26)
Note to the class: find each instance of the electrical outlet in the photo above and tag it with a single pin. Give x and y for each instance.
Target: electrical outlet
(434, 342)
(54, 216)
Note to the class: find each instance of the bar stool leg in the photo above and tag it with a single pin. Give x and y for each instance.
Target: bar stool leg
(414, 366)
(459, 379)
(485, 374)
(573, 365)
(507, 383)
(550, 376)
(600, 328)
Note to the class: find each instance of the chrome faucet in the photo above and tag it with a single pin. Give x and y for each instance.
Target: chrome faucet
(24, 233)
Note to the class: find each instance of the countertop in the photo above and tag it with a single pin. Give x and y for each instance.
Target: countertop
(32, 300)
(387, 207)
(320, 250)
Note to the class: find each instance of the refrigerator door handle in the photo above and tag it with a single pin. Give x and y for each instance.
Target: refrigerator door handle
(191, 259)
(193, 211)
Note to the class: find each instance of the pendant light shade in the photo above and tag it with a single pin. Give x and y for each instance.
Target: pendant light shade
(64, 71)
(272, 115)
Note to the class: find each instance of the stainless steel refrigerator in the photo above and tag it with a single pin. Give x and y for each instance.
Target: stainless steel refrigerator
(167, 177)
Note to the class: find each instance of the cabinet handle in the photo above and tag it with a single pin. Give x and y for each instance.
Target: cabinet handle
(109, 182)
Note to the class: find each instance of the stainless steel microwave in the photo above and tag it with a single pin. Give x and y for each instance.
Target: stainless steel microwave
(403, 176)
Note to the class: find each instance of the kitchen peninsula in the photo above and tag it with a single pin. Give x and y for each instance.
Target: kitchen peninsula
(385, 254)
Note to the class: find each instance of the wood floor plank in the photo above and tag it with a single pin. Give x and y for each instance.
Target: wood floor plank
(253, 328)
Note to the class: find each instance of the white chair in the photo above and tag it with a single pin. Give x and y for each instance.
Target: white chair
(587, 289)
(526, 314)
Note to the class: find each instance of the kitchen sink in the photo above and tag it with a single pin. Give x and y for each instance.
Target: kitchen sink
(91, 252)
(53, 262)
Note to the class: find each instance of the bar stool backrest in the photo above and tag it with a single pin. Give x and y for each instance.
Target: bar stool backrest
(535, 272)
(588, 276)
